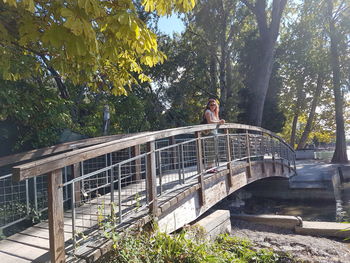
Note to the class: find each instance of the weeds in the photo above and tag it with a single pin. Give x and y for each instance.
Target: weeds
(163, 248)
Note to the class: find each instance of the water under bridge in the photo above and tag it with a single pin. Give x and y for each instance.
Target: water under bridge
(84, 188)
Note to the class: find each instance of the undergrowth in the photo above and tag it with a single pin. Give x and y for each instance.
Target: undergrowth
(187, 247)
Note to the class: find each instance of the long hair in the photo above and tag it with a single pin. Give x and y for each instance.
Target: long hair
(216, 111)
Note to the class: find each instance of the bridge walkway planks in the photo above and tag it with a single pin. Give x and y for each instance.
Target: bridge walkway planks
(32, 244)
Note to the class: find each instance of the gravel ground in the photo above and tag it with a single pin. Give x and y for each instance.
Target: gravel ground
(304, 248)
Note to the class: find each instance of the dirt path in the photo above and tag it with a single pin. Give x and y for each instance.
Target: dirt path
(304, 248)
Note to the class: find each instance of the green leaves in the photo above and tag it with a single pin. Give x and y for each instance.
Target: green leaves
(100, 43)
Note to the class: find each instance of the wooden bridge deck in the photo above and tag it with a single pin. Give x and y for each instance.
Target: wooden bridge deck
(32, 244)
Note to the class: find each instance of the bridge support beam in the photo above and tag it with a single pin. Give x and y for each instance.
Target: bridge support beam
(56, 220)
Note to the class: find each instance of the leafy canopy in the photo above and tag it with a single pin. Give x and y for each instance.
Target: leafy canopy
(103, 44)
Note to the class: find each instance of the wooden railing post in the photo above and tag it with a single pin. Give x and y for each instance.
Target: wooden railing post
(56, 219)
(76, 172)
(151, 178)
(200, 168)
(263, 168)
(281, 156)
(273, 155)
(136, 152)
(294, 164)
(249, 167)
(173, 155)
(229, 159)
(288, 158)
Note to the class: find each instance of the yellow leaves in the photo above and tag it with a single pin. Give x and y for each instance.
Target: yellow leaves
(144, 78)
(124, 19)
(29, 5)
(149, 5)
(187, 5)
(91, 7)
(148, 60)
(77, 24)
(136, 29)
(11, 76)
(323, 136)
(165, 7)
(135, 67)
(10, 2)
(85, 38)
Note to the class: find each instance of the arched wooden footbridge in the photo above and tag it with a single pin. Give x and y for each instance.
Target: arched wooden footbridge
(115, 182)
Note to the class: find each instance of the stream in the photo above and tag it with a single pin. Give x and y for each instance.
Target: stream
(317, 210)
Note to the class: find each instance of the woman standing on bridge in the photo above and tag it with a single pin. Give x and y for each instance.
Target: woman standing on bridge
(211, 113)
(211, 116)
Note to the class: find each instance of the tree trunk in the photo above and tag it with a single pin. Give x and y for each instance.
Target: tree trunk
(294, 128)
(213, 72)
(340, 155)
(300, 101)
(261, 84)
(310, 120)
(268, 34)
(222, 65)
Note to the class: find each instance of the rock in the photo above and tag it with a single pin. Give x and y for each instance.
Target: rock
(304, 248)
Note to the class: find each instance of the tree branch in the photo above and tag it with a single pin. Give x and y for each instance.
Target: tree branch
(260, 14)
(60, 85)
(277, 10)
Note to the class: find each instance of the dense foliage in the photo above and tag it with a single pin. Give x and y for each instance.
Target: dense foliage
(63, 61)
(103, 44)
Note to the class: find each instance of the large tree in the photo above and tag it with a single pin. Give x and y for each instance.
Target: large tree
(335, 12)
(304, 69)
(221, 39)
(268, 26)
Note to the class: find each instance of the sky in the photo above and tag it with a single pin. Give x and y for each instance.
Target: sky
(171, 24)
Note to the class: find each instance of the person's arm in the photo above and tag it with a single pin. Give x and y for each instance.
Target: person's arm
(210, 120)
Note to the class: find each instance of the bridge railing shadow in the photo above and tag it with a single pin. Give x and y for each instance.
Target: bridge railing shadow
(117, 178)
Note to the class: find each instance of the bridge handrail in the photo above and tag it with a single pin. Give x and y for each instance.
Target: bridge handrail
(59, 148)
(52, 163)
